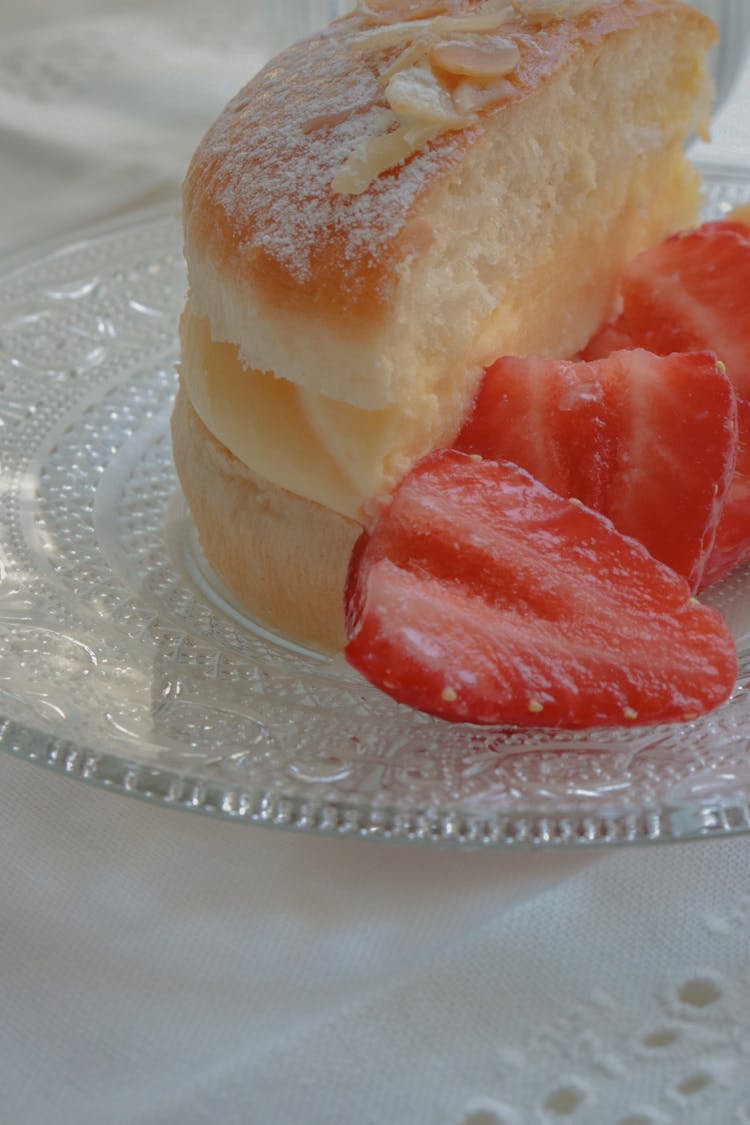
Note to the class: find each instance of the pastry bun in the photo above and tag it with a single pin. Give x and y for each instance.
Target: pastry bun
(283, 557)
(384, 209)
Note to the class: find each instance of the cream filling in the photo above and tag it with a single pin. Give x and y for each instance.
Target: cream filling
(336, 454)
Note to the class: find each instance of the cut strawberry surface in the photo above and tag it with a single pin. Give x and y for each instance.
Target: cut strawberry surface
(481, 596)
(732, 544)
(650, 442)
(693, 292)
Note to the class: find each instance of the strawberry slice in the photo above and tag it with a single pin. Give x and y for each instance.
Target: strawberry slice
(693, 292)
(480, 596)
(732, 544)
(648, 441)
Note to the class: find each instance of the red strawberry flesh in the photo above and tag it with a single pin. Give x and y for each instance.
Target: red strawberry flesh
(648, 441)
(693, 292)
(732, 543)
(480, 596)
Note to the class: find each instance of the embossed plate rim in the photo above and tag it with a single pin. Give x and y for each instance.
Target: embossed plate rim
(675, 823)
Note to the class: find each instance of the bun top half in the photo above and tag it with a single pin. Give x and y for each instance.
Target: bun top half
(372, 224)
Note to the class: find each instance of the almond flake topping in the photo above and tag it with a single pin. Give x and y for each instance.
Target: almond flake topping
(490, 57)
(471, 97)
(415, 94)
(413, 54)
(419, 84)
(545, 11)
(489, 18)
(379, 153)
(386, 11)
(450, 67)
(390, 35)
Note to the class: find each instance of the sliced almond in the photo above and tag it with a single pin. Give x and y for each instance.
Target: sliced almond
(485, 57)
(471, 97)
(376, 155)
(390, 35)
(386, 11)
(478, 21)
(418, 94)
(368, 160)
(413, 54)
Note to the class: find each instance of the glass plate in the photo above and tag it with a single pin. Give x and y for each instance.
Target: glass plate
(123, 662)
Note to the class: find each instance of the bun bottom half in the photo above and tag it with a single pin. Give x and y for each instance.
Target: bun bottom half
(283, 557)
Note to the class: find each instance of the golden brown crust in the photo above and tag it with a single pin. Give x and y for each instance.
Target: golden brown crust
(283, 557)
(257, 197)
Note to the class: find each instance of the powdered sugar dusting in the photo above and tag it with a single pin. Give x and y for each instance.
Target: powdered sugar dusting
(265, 168)
(269, 160)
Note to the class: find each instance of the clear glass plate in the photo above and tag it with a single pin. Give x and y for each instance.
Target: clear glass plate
(123, 663)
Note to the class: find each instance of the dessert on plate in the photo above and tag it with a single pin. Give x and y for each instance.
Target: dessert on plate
(386, 208)
(378, 216)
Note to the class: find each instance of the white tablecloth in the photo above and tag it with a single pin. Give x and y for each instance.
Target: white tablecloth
(158, 968)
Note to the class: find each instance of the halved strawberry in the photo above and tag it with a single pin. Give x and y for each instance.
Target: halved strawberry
(480, 596)
(693, 292)
(648, 441)
(732, 543)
